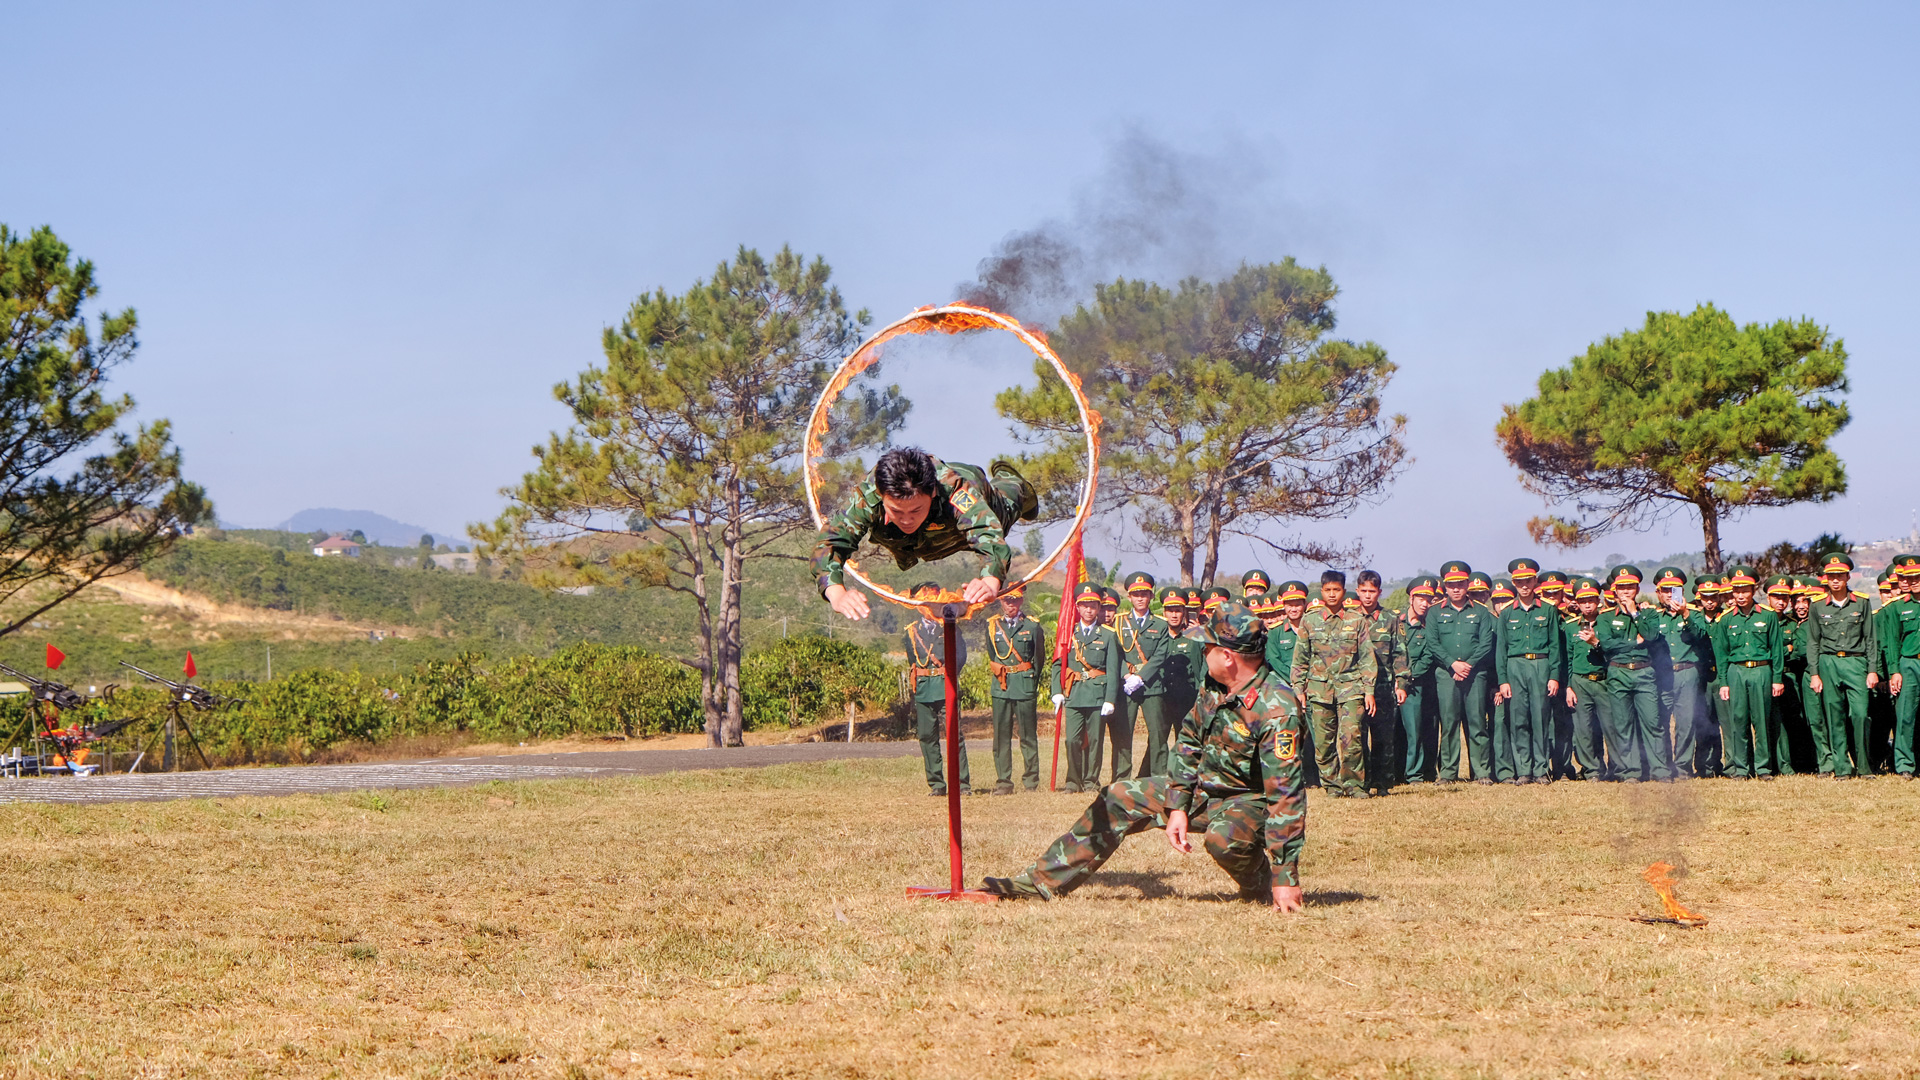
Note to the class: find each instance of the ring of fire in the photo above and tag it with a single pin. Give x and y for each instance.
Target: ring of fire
(950, 319)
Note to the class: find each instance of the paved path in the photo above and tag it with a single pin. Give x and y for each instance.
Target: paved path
(432, 772)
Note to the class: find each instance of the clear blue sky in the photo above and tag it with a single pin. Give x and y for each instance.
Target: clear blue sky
(365, 240)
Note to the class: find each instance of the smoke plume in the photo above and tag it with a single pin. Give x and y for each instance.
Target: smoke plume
(1154, 211)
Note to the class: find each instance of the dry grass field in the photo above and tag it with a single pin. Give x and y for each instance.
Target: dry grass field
(753, 924)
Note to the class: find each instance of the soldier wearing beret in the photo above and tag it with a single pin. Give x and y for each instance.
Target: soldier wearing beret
(927, 668)
(1144, 640)
(1017, 657)
(1843, 664)
(1236, 774)
(1087, 684)
(1460, 638)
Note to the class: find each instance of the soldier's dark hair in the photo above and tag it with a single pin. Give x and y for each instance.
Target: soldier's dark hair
(1333, 577)
(1368, 577)
(924, 587)
(905, 471)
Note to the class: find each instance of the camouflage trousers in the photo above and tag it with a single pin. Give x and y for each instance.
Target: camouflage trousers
(1337, 746)
(1234, 834)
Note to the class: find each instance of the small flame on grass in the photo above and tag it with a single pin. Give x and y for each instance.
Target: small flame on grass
(1660, 876)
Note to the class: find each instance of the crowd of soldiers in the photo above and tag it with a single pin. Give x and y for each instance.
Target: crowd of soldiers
(1526, 678)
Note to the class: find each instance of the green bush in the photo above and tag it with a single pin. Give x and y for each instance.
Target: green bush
(806, 679)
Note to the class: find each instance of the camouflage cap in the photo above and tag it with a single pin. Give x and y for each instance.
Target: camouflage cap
(1523, 568)
(1140, 581)
(1669, 577)
(1255, 581)
(1836, 562)
(1293, 590)
(1232, 626)
(1455, 572)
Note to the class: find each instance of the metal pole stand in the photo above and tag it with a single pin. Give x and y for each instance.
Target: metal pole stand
(955, 891)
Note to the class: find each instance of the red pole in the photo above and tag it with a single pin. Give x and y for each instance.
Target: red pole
(952, 659)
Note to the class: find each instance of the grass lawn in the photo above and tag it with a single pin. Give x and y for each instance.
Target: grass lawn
(752, 923)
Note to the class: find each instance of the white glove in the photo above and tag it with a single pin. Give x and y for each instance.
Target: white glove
(1133, 684)
(1059, 699)
(1106, 708)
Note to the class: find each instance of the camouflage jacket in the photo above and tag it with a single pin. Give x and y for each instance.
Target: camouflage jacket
(1334, 660)
(1247, 744)
(961, 519)
(1388, 633)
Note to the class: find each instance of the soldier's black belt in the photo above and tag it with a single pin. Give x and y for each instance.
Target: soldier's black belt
(1595, 677)
(1753, 663)
(1840, 652)
(1529, 656)
(1634, 665)
(1685, 667)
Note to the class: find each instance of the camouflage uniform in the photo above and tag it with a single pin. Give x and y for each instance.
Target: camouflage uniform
(1236, 775)
(969, 513)
(1334, 668)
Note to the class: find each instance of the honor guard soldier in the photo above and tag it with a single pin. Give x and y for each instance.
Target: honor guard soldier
(1689, 667)
(1182, 673)
(1899, 635)
(1255, 583)
(1109, 606)
(920, 508)
(1527, 660)
(1631, 639)
(1334, 673)
(1388, 634)
(1017, 656)
(1843, 664)
(1460, 637)
(1593, 734)
(927, 668)
(1419, 713)
(1236, 774)
(1088, 685)
(1753, 654)
(1144, 641)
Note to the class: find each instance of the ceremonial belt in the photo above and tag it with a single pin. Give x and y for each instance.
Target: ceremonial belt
(1632, 665)
(1685, 667)
(1068, 677)
(937, 671)
(1001, 671)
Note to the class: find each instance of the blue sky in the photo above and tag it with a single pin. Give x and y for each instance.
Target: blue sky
(365, 240)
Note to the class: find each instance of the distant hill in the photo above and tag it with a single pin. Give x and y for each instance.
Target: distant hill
(379, 528)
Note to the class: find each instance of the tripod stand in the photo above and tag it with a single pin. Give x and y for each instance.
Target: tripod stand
(176, 722)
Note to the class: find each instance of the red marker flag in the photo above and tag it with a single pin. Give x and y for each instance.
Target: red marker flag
(1063, 644)
(190, 669)
(54, 657)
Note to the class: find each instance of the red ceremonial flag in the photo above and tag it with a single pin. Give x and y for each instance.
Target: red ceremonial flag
(1063, 627)
(190, 669)
(54, 657)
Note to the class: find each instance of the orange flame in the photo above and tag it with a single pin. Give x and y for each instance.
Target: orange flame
(1660, 876)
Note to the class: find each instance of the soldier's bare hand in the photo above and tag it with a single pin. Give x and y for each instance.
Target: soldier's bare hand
(1893, 684)
(1572, 702)
(1177, 832)
(1726, 693)
(849, 602)
(1873, 680)
(980, 590)
(1502, 694)
(1400, 696)
(1461, 669)
(1779, 688)
(1553, 687)
(1370, 705)
(1288, 899)
(1814, 684)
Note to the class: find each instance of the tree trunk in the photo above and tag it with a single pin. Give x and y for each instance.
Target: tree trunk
(733, 730)
(1213, 544)
(1710, 531)
(710, 710)
(1185, 517)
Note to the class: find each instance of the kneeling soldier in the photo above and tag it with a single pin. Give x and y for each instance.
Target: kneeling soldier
(1236, 775)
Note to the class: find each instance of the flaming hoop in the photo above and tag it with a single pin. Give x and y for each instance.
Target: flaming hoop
(949, 319)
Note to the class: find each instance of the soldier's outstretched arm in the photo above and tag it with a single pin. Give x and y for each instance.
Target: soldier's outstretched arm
(838, 542)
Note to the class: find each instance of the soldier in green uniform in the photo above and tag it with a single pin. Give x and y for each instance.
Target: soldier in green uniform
(1144, 642)
(1283, 634)
(1017, 657)
(1899, 635)
(1212, 600)
(927, 668)
(1552, 590)
(1633, 645)
(1806, 591)
(1752, 649)
(1254, 583)
(1388, 633)
(1110, 607)
(1088, 685)
(1880, 718)
(1333, 673)
(1420, 710)
(1182, 672)
(1460, 639)
(921, 508)
(1527, 659)
(1689, 657)
(1589, 704)
(1843, 658)
(1710, 591)
(1792, 746)
(1236, 774)
(1480, 589)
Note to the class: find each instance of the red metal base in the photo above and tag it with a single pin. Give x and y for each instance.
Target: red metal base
(937, 892)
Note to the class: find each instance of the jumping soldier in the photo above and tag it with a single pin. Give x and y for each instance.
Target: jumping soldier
(1236, 774)
(1088, 685)
(1017, 656)
(926, 662)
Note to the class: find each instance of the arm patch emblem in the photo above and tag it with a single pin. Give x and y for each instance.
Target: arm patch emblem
(1286, 746)
(964, 501)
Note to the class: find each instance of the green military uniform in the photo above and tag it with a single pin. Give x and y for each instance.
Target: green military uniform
(1462, 634)
(1880, 709)
(1689, 666)
(1387, 632)
(1282, 638)
(1752, 648)
(1180, 672)
(926, 659)
(1419, 714)
(1017, 656)
(1255, 583)
(1236, 775)
(1843, 649)
(1593, 733)
(1334, 671)
(1144, 644)
(1089, 684)
(1899, 636)
(1527, 657)
(1710, 753)
(970, 512)
(1633, 646)
(1554, 593)
(1792, 744)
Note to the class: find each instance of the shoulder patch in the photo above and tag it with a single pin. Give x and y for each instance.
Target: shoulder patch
(964, 500)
